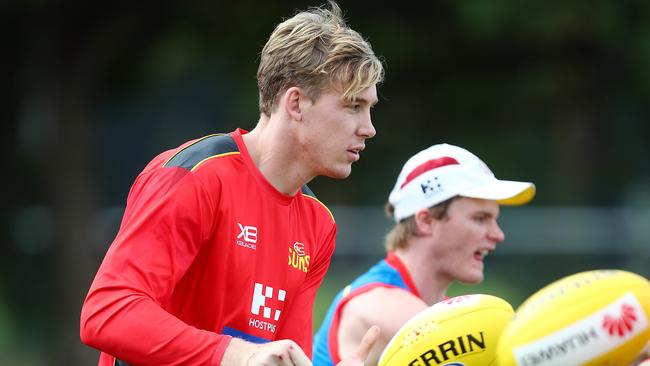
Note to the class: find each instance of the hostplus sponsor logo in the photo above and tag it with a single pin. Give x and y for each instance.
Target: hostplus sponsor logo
(298, 258)
(590, 337)
(247, 236)
(266, 305)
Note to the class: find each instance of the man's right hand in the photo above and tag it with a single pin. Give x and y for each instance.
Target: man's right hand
(363, 350)
(280, 353)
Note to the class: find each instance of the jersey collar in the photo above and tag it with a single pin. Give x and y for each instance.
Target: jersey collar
(393, 260)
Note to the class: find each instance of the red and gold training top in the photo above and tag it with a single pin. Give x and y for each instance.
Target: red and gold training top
(207, 249)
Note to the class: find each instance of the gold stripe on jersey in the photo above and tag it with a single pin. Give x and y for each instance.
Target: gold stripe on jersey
(212, 157)
(195, 142)
(208, 147)
(322, 204)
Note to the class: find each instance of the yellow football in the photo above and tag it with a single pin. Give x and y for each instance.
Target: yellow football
(462, 330)
(594, 318)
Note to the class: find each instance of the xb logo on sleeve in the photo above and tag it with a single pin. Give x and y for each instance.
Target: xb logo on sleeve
(247, 237)
(268, 310)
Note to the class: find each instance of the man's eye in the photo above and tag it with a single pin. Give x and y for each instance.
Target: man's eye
(480, 219)
(355, 107)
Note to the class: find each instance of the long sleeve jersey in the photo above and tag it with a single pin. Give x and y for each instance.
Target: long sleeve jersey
(207, 249)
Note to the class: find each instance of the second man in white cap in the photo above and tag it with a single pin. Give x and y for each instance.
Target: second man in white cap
(445, 204)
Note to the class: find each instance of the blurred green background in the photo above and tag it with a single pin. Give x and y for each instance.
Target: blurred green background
(555, 92)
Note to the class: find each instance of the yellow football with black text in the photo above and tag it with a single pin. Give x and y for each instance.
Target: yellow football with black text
(459, 331)
(593, 318)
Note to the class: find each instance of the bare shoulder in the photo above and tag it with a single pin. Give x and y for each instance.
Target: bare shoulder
(388, 307)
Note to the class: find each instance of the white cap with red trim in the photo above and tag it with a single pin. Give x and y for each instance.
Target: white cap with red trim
(443, 171)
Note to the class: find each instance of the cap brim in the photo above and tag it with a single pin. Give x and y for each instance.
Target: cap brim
(505, 192)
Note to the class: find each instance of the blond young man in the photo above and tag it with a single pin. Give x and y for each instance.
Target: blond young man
(198, 272)
(445, 204)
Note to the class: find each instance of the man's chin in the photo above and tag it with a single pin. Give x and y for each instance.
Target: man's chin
(473, 278)
(339, 173)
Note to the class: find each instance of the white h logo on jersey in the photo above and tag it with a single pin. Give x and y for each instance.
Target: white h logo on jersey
(260, 294)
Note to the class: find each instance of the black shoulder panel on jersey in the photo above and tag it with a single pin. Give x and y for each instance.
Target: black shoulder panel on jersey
(305, 190)
(202, 149)
(121, 363)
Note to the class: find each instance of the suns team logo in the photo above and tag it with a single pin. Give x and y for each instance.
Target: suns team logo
(298, 258)
(623, 323)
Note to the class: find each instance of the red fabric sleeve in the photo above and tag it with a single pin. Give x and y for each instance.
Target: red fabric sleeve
(162, 230)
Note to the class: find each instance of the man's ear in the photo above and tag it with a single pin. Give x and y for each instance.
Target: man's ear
(424, 222)
(293, 101)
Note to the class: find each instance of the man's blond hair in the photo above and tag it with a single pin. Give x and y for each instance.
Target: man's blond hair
(399, 235)
(316, 50)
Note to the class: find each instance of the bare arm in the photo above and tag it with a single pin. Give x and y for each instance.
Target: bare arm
(388, 308)
(360, 356)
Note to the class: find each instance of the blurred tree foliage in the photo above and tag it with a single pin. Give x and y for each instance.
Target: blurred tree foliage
(550, 91)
